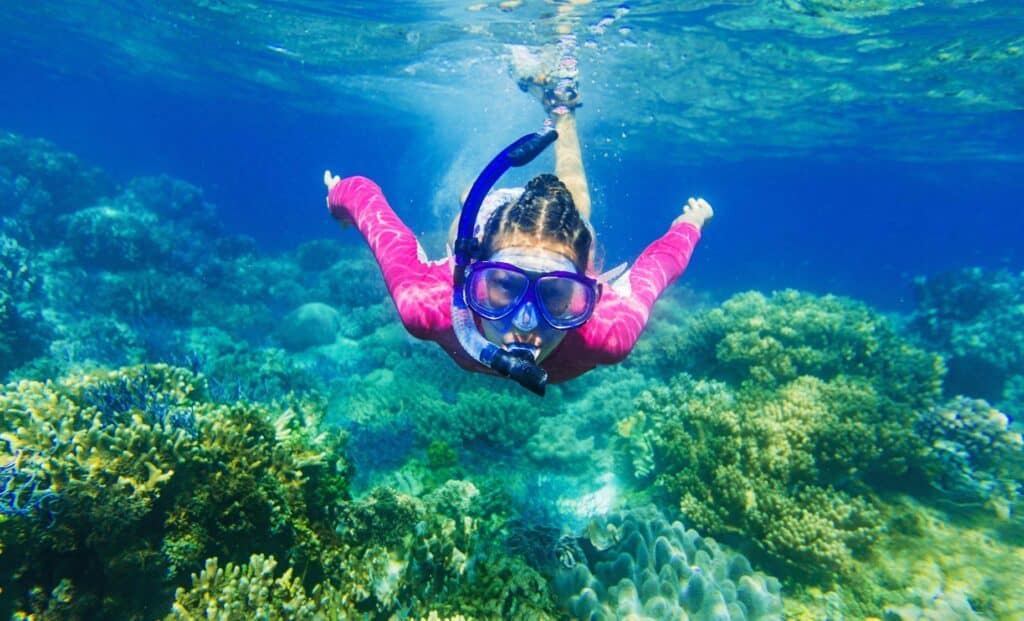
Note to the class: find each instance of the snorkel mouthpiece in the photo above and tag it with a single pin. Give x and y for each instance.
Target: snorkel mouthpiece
(517, 363)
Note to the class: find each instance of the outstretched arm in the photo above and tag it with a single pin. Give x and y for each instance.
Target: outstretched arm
(624, 309)
(420, 290)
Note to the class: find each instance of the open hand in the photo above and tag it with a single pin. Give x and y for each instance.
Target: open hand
(330, 180)
(339, 213)
(697, 212)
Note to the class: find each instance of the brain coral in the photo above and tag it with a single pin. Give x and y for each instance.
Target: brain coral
(636, 566)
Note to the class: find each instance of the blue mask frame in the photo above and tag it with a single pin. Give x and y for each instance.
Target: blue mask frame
(530, 295)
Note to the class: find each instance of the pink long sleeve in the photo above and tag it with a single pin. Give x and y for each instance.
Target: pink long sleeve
(421, 290)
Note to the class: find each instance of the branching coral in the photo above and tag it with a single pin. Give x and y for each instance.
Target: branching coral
(250, 591)
(773, 340)
(763, 463)
(152, 479)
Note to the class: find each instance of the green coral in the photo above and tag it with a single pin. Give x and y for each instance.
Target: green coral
(151, 479)
(250, 591)
(761, 464)
(802, 405)
(772, 340)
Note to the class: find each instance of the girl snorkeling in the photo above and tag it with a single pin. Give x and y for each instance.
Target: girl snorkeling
(520, 296)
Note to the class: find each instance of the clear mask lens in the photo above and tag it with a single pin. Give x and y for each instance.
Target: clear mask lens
(565, 301)
(494, 292)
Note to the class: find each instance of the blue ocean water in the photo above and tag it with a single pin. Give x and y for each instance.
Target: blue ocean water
(829, 171)
(862, 454)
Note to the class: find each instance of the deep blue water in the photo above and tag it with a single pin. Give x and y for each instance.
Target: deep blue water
(839, 220)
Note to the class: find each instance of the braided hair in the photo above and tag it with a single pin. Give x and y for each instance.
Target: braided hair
(544, 215)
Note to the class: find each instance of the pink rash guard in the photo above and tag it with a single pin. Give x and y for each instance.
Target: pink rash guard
(422, 290)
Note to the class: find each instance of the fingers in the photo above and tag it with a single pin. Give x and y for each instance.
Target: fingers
(700, 206)
(330, 180)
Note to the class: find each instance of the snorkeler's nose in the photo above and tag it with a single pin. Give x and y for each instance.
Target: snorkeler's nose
(525, 318)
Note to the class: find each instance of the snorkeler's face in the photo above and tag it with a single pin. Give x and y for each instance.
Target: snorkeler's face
(526, 327)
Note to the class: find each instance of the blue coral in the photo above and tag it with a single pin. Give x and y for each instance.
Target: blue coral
(117, 399)
(20, 492)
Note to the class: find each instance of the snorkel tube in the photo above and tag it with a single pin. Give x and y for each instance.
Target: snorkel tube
(518, 365)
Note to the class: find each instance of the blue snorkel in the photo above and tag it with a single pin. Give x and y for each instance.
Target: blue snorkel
(518, 365)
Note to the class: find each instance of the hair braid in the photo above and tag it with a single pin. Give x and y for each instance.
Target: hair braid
(544, 214)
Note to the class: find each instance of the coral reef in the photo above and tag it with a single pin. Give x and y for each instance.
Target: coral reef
(972, 455)
(765, 465)
(151, 479)
(639, 566)
(975, 318)
(219, 488)
(21, 324)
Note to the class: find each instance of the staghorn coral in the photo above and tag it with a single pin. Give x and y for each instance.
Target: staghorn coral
(250, 591)
(638, 566)
(152, 479)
